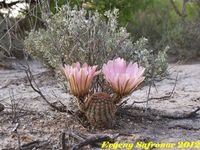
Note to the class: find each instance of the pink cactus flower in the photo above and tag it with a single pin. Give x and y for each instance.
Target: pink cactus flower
(80, 78)
(123, 78)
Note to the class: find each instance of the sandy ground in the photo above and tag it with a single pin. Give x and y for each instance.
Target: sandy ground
(162, 120)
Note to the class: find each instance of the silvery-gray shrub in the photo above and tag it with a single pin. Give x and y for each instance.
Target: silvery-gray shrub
(73, 35)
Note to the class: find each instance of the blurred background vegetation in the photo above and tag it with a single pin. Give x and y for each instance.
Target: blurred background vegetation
(164, 22)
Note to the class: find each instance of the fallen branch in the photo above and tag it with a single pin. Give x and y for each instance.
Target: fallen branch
(135, 113)
(84, 140)
(28, 111)
(72, 134)
(184, 127)
(35, 145)
(76, 135)
(153, 114)
(92, 140)
(183, 116)
(35, 87)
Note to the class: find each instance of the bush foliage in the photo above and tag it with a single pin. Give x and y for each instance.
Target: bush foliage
(156, 20)
(70, 36)
(163, 22)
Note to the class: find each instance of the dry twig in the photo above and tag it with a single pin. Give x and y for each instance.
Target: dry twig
(84, 140)
(183, 116)
(35, 145)
(35, 87)
(63, 141)
(92, 140)
(18, 135)
(165, 97)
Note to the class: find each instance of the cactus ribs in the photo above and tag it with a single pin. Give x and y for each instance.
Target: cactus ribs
(100, 110)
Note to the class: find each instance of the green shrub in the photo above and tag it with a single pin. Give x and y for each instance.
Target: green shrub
(70, 36)
(156, 20)
(185, 39)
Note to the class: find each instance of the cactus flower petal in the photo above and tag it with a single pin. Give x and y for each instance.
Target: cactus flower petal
(123, 78)
(80, 78)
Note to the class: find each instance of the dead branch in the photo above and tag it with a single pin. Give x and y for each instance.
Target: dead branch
(154, 114)
(165, 97)
(27, 111)
(30, 78)
(183, 116)
(184, 127)
(18, 20)
(176, 9)
(63, 141)
(15, 109)
(181, 13)
(15, 128)
(76, 135)
(35, 87)
(72, 134)
(35, 145)
(92, 140)
(134, 113)
(18, 135)
(84, 140)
